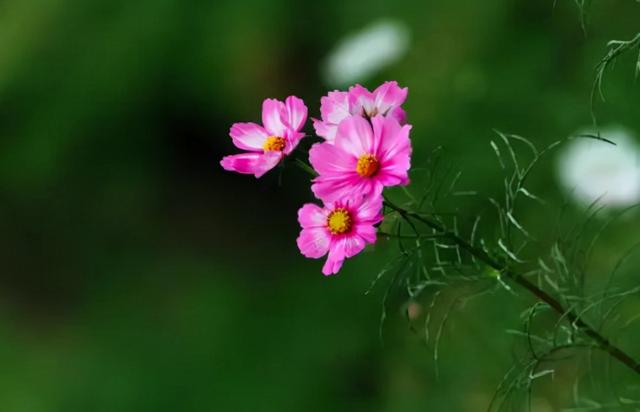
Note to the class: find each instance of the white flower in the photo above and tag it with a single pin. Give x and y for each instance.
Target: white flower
(595, 170)
(360, 55)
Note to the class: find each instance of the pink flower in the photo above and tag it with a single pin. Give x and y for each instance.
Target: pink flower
(364, 159)
(341, 229)
(266, 146)
(337, 106)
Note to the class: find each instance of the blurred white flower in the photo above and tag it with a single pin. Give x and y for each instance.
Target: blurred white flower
(360, 55)
(592, 169)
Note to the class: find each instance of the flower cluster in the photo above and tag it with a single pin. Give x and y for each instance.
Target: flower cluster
(366, 148)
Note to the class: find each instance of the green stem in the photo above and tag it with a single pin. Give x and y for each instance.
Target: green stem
(602, 342)
(305, 167)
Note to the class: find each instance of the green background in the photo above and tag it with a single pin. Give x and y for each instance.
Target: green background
(137, 275)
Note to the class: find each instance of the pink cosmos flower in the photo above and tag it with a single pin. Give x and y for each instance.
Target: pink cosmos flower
(337, 106)
(341, 229)
(364, 159)
(266, 146)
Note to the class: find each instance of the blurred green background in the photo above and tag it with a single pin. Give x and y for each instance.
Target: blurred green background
(137, 275)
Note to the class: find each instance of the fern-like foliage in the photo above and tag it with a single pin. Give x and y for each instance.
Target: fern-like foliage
(436, 254)
(615, 49)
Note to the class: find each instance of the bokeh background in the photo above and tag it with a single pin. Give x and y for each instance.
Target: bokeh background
(137, 275)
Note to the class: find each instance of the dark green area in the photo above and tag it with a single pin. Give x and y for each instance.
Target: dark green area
(137, 275)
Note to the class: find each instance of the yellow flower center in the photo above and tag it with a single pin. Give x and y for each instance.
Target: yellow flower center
(274, 143)
(367, 166)
(339, 221)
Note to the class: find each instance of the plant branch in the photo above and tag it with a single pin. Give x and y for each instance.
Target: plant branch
(602, 342)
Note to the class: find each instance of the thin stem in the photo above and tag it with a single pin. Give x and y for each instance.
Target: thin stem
(395, 236)
(483, 256)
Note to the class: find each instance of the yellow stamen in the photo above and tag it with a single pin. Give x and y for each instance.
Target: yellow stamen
(339, 221)
(367, 166)
(274, 143)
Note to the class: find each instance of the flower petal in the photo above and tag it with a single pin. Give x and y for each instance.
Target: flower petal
(313, 243)
(394, 174)
(331, 189)
(272, 116)
(384, 129)
(399, 114)
(367, 232)
(334, 260)
(256, 164)
(394, 141)
(311, 215)
(296, 113)
(246, 163)
(248, 136)
(326, 130)
(389, 95)
(340, 249)
(355, 136)
(369, 209)
(352, 245)
(326, 158)
(268, 161)
(292, 139)
(335, 107)
(361, 100)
